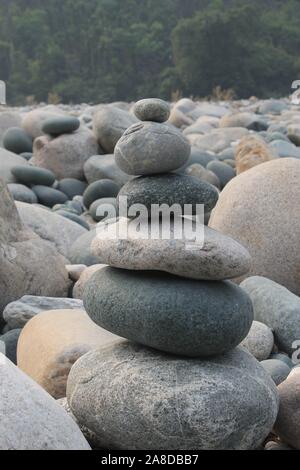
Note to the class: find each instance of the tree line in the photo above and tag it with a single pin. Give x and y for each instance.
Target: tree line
(112, 50)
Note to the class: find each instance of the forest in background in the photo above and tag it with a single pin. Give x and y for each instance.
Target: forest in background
(109, 50)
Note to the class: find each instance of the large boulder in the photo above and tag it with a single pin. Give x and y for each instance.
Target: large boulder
(52, 342)
(66, 154)
(30, 419)
(50, 226)
(109, 124)
(8, 161)
(28, 264)
(134, 398)
(261, 209)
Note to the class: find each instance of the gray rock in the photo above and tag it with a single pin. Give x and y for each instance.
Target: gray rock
(71, 187)
(31, 175)
(272, 107)
(285, 149)
(101, 167)
(10, 339)
(179, 316)
(33, 121)
(259, 341)
(80, 251)
(217, 258)
(284, 358)
(49, 196)
(52, 227)
(250, 121)
(18, 313)
(169, 189)
(8, 119)
(21, 193)
(30, 419)
(60, 125)
(152, 109)
(197, 156)
(294, 134)
(17, 141)
(278, 370)
(147, 148)
(65, 155)
(8, 161)
(88, 272)
(67, 214)
(98, 190)
(220, 139)
(98, 215)
(109, 124)
(172, 403)
(278, 308)
(224, 172)
(288, 421)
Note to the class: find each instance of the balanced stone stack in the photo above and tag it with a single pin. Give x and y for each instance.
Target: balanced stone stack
(180, 382)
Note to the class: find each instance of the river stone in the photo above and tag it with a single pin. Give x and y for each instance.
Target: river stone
(8, 119)
(218, 258)
(8, 161)
(10, 339)
(21, 193)
(105, 202)
(101, 167)
(18, 313)
(228, 402)
(284, 358)
(250, 121)
(50, 226)
(52, 341)
(87, 273)
(70, 215)
(152, 109)
(30, 419)
(250, 152)
(259, 341)
(66, 154)
(224, 172)
(197, 156)
(31, 175)
(294, 134)
(278, 308)
(147, 148)
(179, 316)
(169, 189)
(255, 209)
(198, 171)
(23, 258)
(33, 121)
(72, 187)
(17, 141)
(75, 271)
(272, 107)
(288, 420)
(80, 251)
(98, 190)
(285, 149)
(60, 125)
(220, 139)
(278, 370)
(109, 124)
(49, 196)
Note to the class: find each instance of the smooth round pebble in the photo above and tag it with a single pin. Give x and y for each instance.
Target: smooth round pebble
(71, 187)
(17, 141)
(278, 370)
(74, 217)
(60, 125)
(224, 172)
(260, 341)
(22, 193)
(10, 339)
(49, 196)
(98, 190)
(32, 175)
(152, 109)
(283, 357)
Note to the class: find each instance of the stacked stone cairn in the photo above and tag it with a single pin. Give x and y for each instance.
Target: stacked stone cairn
(181, 381)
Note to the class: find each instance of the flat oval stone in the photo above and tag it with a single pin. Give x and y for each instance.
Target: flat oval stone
(148, 148)
(169, 189)
(218, 258)
(74, 217)
(32, 175)
(49, 196)
(17, 141)
(137, 398)
(71, 187)
(61, 125)
(21, 193)
(152, 109)
(224, 172)
(105, 203)
(99, 190)
(179, 316)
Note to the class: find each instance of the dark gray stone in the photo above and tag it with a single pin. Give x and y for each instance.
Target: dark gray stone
(21, 193)
(17, 141)
(134, 398)
(176, 315)
(26, 155)
(80, 250)
(284, 358)
(74, 217)
(99, 190)
(94, 208)
(152, 109)
(224, 172)
(49, 196)
(101, 167)
(32, 175)
(148, 148)
(170, 189)
(10, 339)
(278, 370)
(72, 187)
(60, 125)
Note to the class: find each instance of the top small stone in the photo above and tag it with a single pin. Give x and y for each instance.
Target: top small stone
(59, 125)
(152, 109)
